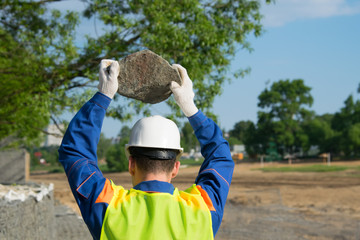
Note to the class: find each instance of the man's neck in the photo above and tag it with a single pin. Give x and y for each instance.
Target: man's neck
(138, 178)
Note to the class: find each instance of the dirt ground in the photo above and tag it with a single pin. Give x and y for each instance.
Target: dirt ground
(260, 205)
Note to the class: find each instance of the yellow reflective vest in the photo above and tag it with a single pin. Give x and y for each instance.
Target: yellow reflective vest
(135, 214)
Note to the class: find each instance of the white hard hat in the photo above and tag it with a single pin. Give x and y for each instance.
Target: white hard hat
(155, 132)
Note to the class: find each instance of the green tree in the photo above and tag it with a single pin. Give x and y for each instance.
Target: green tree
(116, 157)
(201, 35)
(124, 132)
(239, 130)
(36, 49)
(188, 138)
(24, 100)
(49, 154)
(284, 108)
(348, 115)
(353, 137)
(319, 133)
(252, 140)
(233, 141)
(103, 146)
(346, 123)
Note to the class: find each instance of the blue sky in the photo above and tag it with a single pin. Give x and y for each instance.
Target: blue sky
(314, 40)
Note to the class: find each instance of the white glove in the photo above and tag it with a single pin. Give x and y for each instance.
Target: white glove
(184, 94)
(108, 82)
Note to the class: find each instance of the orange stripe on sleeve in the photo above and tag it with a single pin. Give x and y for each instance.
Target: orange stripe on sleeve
(206, 198)
(106, 194)
(211, 169)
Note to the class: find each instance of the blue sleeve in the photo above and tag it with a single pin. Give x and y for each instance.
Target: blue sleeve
(216, 172)
(77, 154)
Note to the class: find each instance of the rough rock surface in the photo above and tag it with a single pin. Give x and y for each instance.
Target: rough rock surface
(146, 76)
(27, 212)
(30, 212)
(69, 225)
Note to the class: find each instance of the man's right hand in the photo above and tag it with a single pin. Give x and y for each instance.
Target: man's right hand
(108, 74)
(184, 94)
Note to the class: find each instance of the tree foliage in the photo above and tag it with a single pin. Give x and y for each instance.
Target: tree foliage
(239, 130)
(346, 122)
(284, 107)
(252, 140)
(116, 157)
(320, 133)
(24, 100)
(103, 146)
(188, 139)
(50, 73)
(286, 125)
(125, 132)
(36, 48)
(49, 153)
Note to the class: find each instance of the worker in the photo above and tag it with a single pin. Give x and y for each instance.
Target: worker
(153, 208)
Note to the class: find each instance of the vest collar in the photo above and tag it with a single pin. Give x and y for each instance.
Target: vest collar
(155, 186)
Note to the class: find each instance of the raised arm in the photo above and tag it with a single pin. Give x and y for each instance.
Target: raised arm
(216, 171)
(77, 152)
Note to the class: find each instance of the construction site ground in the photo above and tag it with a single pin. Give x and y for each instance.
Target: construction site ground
(262, 205)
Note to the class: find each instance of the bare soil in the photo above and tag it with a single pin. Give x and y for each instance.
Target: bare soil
(260, 205)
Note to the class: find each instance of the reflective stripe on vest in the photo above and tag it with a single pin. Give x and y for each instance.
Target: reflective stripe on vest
(134, 214)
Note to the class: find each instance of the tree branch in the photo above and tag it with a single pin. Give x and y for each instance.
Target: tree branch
(39, 2)
(75, 85)
(49, 133)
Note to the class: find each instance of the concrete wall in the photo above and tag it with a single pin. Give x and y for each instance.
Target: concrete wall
(14, 166)
(29, 219)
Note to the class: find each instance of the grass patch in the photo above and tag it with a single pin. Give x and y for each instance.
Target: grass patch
(191, 162)
(354, 175)
(311, 168)
(49, 169)
(105, 169)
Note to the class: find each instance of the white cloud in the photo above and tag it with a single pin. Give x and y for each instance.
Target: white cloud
(284, 11)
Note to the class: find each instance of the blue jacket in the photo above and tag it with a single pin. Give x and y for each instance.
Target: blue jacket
(77, 154)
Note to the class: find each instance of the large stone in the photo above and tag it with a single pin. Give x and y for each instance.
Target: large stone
(146, 76)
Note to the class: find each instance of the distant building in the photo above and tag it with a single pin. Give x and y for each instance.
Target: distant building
(238, 151)
(55, 137)
(313, 151)
(238, 148)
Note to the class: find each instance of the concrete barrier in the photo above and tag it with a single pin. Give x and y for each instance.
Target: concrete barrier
(31, 217)
(14, 166)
